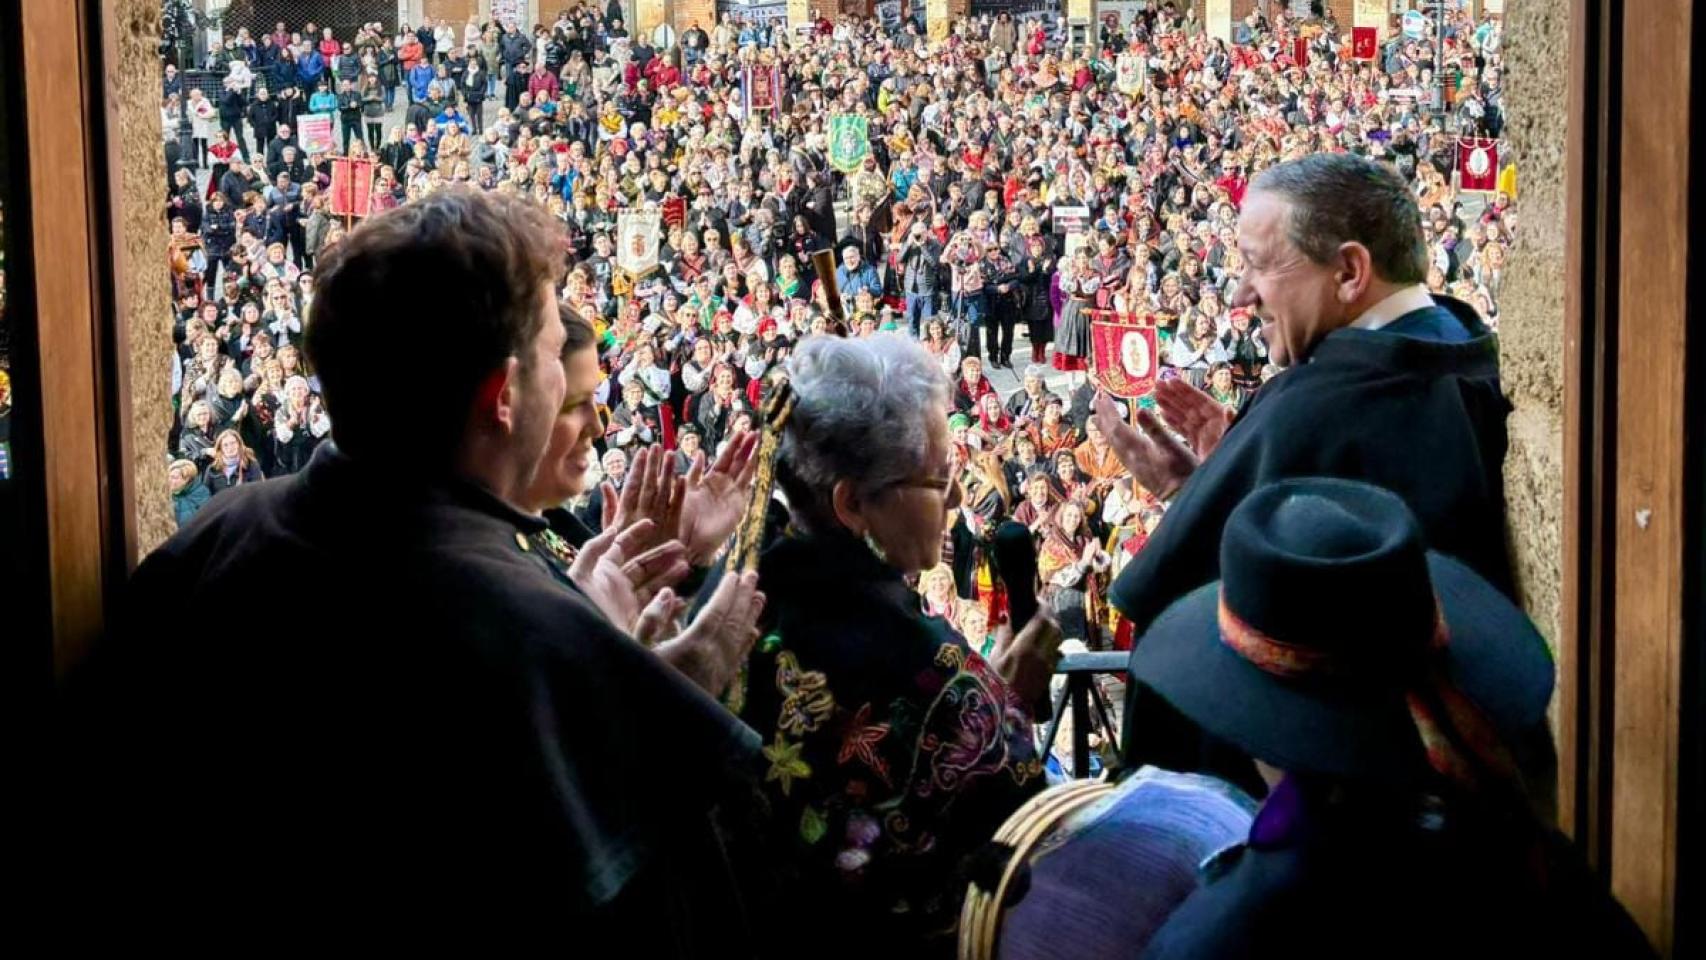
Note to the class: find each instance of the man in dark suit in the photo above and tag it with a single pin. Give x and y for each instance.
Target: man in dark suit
(454, 728)
(1383, 384)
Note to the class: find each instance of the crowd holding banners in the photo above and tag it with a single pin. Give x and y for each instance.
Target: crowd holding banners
(1001, 179)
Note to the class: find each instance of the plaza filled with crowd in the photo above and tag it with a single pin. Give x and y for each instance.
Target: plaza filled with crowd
(994, 194)
(1012, 190)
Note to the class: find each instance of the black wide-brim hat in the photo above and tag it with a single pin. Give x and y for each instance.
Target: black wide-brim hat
(1327, 584)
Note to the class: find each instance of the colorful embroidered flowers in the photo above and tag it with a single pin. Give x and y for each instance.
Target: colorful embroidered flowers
(861, 742)
(786, 763)
(806, 700)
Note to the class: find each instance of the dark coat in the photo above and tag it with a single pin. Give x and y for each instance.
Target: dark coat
(263, 116)
(458, 729)
(217, 482)
(218, 231)
(1335, 880)
(1429, 425)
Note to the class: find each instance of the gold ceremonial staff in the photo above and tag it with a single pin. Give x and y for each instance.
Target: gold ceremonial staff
(748, 541)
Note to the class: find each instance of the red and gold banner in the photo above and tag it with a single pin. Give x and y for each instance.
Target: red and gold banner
(1123, 353)
(1300, 51)
(1478, 165)
(1365, 43)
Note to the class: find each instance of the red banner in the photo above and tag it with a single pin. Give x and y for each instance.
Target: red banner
(1478, 165)
(1123, 353)
(1365, 43)
(351, 190)
(675, 211)
(760, 86)
(1300, 51)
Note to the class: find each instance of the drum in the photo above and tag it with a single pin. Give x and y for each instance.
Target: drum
(1092, 869)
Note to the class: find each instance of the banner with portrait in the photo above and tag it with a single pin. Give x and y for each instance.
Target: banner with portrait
(1123, 353)
(1365, 43)
(760, 89)
(637, 235)
(1477, 164)
(849, 141)
(1129, 69)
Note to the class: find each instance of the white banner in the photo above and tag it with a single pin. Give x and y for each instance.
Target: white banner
(1373, 13)
(1218, 13)
(637, 233)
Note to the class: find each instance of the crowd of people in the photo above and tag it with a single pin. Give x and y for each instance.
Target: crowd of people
(561, 666)
(947, 228)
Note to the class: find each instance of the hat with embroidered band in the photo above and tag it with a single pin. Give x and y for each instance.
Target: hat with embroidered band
(1337, 644)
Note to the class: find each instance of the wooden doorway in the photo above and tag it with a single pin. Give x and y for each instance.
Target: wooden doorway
(455, 11)
(1634, 488)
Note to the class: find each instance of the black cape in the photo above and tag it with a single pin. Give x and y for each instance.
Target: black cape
(1329, 876)
(347, 689)
(1422, 418)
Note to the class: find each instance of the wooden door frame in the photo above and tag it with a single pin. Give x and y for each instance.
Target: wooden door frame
(88, 491)
(1630, 530)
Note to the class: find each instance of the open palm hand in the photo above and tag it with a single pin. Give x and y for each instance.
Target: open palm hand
(715, 498)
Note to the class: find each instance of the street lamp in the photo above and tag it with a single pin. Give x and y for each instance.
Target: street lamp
(178, 24)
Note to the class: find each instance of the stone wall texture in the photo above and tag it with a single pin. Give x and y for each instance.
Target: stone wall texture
(144, 307)
(1532, 302)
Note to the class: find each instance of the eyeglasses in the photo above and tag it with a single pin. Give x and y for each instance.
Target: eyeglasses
(942, 485)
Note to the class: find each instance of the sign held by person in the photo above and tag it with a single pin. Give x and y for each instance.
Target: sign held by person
(1129, 69)
(314, 133)
(1069, 220)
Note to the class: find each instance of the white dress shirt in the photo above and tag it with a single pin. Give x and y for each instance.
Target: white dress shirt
(1407, 300)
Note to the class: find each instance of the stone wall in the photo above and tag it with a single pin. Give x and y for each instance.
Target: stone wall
(139, 227)
(1532, 302)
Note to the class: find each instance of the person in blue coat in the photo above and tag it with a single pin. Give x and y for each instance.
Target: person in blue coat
(309, 68)
(420, 78)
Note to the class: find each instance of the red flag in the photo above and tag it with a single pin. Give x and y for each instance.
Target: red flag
(351, 189)
(1300, 51)
(340, 187)
(675, 211)
(361, 187)
(1364, 42)
(1478, 165)
(1123, 354)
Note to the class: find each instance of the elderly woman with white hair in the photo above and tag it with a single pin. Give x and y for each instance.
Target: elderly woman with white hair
(893, 749)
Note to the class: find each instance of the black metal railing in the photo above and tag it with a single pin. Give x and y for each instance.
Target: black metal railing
(1084, 697)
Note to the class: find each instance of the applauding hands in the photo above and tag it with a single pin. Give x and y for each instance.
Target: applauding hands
(700, 510)
(1156, 457)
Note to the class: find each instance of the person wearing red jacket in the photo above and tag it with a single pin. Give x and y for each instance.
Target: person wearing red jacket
(543, 85)
(410, 53)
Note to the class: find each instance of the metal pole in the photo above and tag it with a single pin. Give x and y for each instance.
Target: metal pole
(1439, 55)
(186, 48)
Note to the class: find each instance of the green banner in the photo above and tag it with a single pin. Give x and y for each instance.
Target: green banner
(849, 142)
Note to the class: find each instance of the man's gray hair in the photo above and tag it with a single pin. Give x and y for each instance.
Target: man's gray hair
(862, 414)
(1338, 198)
